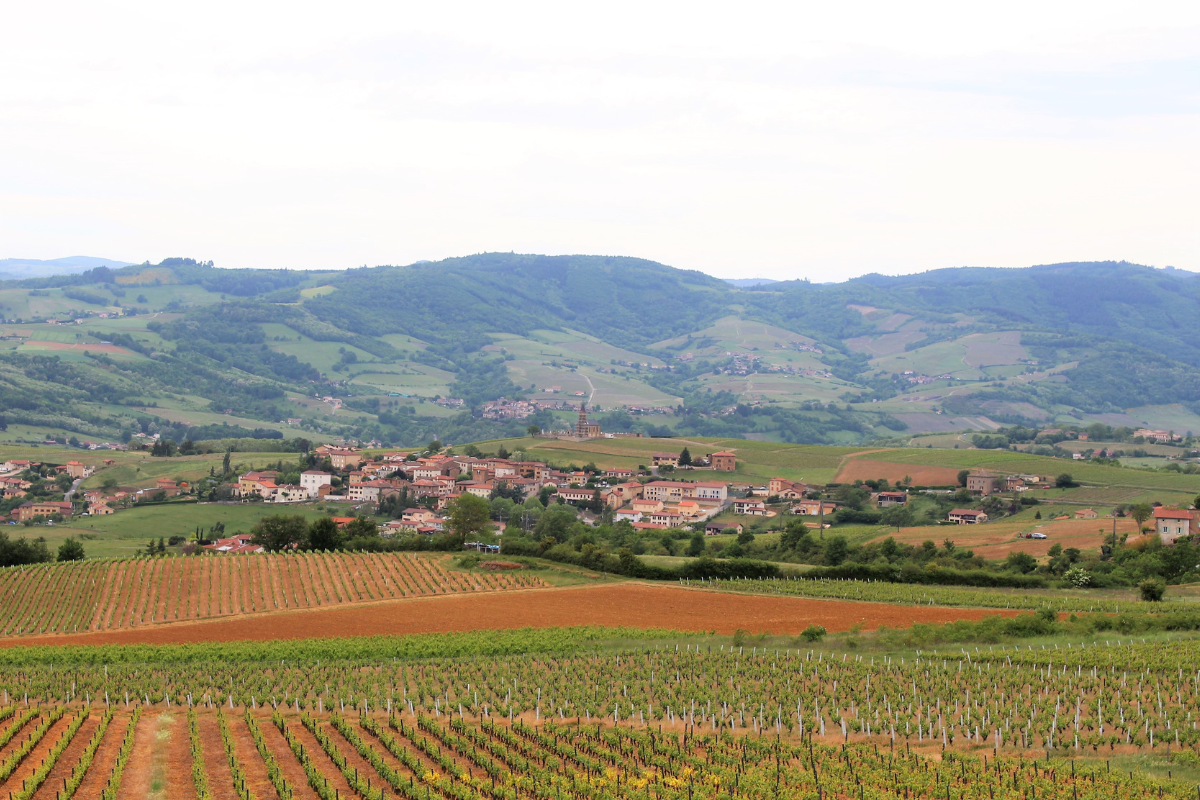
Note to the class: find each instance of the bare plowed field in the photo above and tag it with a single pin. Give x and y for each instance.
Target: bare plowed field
(861, 469)
(996, 540)
(133, 593)
(632, 604)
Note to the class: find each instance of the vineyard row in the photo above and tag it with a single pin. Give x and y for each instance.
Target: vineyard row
(123, 593)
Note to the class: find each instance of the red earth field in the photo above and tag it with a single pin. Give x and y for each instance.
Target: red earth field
(861, 469)
(633, 604)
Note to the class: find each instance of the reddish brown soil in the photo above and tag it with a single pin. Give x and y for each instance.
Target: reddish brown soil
(386, 754)
(20, 737)
(179, 759)
(861, 469)
(139, 769)
(293, 773)
(220, 779)
(96, 778)
(633, 604)
(247, 754)
(65, 766)
(320, 758)
(34, 759)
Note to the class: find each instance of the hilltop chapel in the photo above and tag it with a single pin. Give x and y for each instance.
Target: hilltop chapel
(585, 429)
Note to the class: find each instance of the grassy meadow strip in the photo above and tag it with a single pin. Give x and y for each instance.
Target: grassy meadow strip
(411, 646)
(926, 595)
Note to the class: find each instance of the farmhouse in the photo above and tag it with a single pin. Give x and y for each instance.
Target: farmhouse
(723, 461)
(750, 507)
(369, 491)
(577, 495)
(786, 490)
(348, 457)
(290, 493)
(967, 516)
(257, 483)
(76, 469)
(1172, 524)
(892, 499)
(28, 511)
(722, 529)
(312, 480)
(1086, 513)
(665, 459)
(1157, 436)
(814, 508)
(647, 505)
(667, 519)
(235, 545)
(985, 483)
(676, 491)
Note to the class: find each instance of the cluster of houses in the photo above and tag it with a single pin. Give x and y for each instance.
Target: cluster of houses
(922, 380)
(13, 485)
(445, 477)
(1162, 437)
(510, 409)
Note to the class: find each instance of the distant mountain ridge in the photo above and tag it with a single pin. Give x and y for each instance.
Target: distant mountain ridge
(964, 348)
(20, 268)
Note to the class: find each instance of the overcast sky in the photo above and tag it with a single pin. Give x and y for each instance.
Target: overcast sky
(778, 140)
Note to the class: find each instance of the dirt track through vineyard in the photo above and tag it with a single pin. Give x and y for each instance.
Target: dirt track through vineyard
(633, 604)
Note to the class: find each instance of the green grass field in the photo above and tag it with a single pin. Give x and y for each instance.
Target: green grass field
(575, 362)
(125, 532)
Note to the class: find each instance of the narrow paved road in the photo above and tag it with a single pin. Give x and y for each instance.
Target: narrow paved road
(71, 493)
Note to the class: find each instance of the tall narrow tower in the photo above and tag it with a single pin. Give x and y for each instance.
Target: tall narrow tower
(581, 426)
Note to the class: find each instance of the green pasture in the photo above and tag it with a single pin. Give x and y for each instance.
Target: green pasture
(403, 378)
(142, 470)
(1173, 417)
(321, 355)
(541, 345)
(732, 334)
(934, 359)
(125, 532)
(778, 386)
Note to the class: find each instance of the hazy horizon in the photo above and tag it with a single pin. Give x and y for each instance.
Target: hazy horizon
(5, 260)
(776, 141)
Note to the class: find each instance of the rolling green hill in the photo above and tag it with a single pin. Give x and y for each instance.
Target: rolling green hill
(182, 343)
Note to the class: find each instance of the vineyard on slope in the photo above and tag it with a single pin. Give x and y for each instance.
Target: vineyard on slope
(114, 594)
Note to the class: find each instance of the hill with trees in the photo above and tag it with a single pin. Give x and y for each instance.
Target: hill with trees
(387, 352)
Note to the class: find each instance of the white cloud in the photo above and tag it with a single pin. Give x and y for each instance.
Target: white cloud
(779, 140)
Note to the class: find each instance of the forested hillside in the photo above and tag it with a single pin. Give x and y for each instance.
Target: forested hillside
(387, 353)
